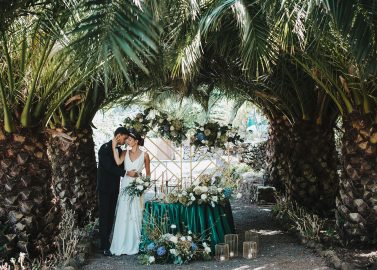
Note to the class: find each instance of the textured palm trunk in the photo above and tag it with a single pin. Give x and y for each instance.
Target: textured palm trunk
(314, 181)
(25, 195)
(278, 153)
(74, 171)
(357, 200)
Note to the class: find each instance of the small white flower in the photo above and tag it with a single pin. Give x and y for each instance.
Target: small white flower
(183, 238)
(192, 198)
(203, 196)
(171, 128)
(219, 189)
(215, 198)
(189, 238)
(184, 193)
(218, 134)
(140, 187)
(189, 232)
(202, 129)
(139, 181)
(173, 226)
(160, 121)
(207, 250)
(180, 195)
(141, 120)
(151, 259)
(146, 184)
(205, 244)
(174, 239)
(173, 251)
(239, 195)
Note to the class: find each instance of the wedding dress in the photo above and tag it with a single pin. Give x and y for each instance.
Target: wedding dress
(129, 213)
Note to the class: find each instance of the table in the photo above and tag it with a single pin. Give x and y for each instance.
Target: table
(204, 220)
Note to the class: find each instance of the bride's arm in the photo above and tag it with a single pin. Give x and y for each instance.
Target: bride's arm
(147, 163)
(118, 159)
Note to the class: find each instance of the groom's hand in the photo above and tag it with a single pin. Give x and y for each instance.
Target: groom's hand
(115, 141)
(132, 173)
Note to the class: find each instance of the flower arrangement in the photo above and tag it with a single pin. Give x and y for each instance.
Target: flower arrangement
(138, 187)
(213, 135)
(140, 123)
(212, 190)
(174, 248)
(170, 128)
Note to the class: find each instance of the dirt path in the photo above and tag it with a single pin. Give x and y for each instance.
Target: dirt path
(278, 250)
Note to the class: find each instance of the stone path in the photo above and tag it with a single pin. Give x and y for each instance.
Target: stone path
(279, 250)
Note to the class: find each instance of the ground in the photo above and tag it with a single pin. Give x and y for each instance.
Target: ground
(279, 250)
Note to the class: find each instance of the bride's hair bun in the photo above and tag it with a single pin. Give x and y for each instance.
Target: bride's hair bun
(134, 134)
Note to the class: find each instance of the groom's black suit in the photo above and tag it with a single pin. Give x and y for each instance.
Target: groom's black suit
(108, 180)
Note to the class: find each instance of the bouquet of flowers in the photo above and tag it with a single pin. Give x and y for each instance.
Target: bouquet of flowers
(140, 123)
(138, 187)
(214, 135)
(174, 248)
(216, 190)
(170, 128)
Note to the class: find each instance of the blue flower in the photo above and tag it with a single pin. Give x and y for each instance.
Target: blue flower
(194, 246)
(161, 251)
(151, 246)
(166, 128)
(200, 136)
(228, 192)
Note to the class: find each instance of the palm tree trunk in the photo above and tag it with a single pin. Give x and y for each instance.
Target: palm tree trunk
(278, 154)
(74, 171)
(25, 195)
(314, 180)
(357, 200)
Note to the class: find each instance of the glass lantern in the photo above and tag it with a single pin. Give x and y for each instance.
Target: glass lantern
(254, 237)
(222, 252)
(250, 250)
(232, 241)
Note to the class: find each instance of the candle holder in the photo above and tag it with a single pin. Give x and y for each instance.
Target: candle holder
(250, 250)
(222, 252)
(253, 236)
(232, 241)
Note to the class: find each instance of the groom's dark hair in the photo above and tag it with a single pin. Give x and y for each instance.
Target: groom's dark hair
(122, 131)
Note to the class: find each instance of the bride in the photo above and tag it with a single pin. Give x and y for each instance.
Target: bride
(129, 213)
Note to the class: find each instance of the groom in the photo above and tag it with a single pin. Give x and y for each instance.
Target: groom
(108, 179)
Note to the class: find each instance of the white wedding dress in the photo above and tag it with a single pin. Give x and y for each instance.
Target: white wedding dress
(129, 213)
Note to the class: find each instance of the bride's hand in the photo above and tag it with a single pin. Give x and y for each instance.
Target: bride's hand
(132, 173)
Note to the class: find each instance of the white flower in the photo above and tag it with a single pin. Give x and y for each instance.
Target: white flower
(173, 226)
(189, 238)
(204, 189)
(207, 250)
(171, 128)
(184, 193)
(160, 121)
(215, 198)
(203, 196)
(218, 134)
(140, 187)
(205, 244)
(202, 129)
(151, 259)
(141, 120)
(173, 251)
(180, 195)
(219, 189)
(183, 238)
(192, 198)
(174, 239)
(139, 181)
(239, 195)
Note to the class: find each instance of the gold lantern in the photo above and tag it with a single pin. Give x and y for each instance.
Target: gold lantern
(232, 241)
(222, 252)
(250, 249)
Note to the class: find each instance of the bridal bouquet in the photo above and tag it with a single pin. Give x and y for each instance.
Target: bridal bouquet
(138, 187)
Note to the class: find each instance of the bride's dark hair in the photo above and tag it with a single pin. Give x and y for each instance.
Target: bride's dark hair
(134, 134)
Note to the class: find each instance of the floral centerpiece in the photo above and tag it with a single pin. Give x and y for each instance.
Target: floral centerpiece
(141, 123)
(174, 248)
(213, 135)
(207, 189)
(138, 187)
(170, 128)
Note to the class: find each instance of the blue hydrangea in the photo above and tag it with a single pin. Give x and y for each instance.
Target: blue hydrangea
(228, 192)
(161, 251)
(194, 246)
(200, 136)
(151, 246)
(166, 128)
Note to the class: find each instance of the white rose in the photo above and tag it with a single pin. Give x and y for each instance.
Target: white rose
(146, 184)
(215, 198)
(239, 195)
(173, 251)
(173, 226)
(180, 195)
(202, 129)
(189, 232)
(205, 244)
(203, 196)
(140, 187)
(183, 238)
(184, 193)
(174, 239)
(139, 181)
(192, 198)
(204, 189)
(151, 259)
(189, 238)
(160, 121)
(141, 120)
(219, 189)
(171, 128)
(207, 250)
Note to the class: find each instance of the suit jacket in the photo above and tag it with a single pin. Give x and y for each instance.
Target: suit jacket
(108, 172)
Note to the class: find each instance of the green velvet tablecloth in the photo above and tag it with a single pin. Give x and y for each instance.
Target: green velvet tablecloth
(203, 220)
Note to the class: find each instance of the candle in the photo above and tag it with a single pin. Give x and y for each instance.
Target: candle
(231, 254)
(250, 255)
(222, 258)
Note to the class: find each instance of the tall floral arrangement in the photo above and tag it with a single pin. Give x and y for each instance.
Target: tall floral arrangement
(141, 123)
(170, 128)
